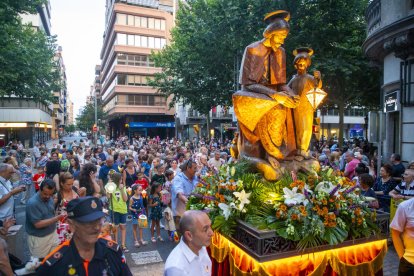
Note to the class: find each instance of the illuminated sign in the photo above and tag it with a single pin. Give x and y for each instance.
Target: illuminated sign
(13, 124)
(391, 102)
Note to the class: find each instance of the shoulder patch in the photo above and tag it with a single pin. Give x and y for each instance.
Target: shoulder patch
(56, 256)
(110, 244)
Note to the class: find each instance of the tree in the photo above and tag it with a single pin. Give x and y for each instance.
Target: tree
(27, 67)
(201, 65)
(70, 128)
(86, 118)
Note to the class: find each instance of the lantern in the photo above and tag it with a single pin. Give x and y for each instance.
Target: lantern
(315, 97)
(110, 187)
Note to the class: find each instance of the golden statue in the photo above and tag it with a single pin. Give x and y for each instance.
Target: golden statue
(264, 105)
(301, 83)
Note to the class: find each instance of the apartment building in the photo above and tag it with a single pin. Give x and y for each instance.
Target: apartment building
(24, 119)
(60, 108)
(134, 29)
(390, 45)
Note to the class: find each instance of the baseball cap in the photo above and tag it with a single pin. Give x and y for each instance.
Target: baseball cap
(85, 209)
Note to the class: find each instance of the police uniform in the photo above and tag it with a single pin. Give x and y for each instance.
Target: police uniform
(108, 259)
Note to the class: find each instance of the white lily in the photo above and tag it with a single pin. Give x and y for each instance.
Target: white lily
(226, 209)
(325, 186)
(292, 196)
(243, 197)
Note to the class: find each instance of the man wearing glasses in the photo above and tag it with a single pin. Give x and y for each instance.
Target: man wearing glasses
(85, 253)
(182, 186)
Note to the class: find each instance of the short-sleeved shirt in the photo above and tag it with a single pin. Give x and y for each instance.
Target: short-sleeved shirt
(6, 209)
(181, 184)
(402, 189)
(397, 170)
(37, 210)
(146, 167)
(404, 222)
(183, 261)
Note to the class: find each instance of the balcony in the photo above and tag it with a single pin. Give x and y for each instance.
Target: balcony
(373, 16)
(221, 115)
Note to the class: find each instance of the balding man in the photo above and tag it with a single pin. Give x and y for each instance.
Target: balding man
(190, 256)
(103, 172)
(7, 192)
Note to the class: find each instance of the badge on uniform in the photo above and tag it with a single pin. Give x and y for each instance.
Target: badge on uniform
(71, 271)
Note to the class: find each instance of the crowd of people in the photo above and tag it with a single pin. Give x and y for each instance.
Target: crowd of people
(152, 180)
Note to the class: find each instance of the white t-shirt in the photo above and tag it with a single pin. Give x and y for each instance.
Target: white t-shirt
(182, 261)
(6, 209)
(216, 163)
(404, 222)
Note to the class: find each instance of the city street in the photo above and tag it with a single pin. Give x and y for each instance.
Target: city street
(149, 260)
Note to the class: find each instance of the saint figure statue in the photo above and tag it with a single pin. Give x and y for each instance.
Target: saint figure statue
(301, 83)
(263, 106)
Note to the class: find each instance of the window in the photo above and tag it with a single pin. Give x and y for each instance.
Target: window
(146, 100)
(163, 24)
(157, 23)
(121, 79)
(144, 41)
(130, 20)
(121, 39)
(131, 41)
(144, 22)
(137, 21)
(151, 24)
(407, 82)
(151, 43)
(121, 19)
(157, 43)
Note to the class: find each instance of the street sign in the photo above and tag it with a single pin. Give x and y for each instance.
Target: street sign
(391, 102)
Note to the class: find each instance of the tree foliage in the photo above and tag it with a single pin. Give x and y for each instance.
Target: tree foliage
(201, 64)
(86, 118)
(27, 67)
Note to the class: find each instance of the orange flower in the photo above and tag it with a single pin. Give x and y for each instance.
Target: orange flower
(294, 217)
(324, 201)
(357, 211)
(283, 207)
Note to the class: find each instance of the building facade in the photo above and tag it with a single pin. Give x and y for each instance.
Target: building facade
(60, 101)
(390, 45)
(135, 28)
(24, 119)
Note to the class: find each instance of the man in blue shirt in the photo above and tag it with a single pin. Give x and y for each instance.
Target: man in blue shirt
(182, 186)
(103, 172)
(41, 221)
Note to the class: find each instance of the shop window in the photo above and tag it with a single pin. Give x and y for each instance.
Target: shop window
(407, 82)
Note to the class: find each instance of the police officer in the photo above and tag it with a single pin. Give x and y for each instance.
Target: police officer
(86, 253)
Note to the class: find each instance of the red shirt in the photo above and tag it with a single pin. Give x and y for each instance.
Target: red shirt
(143, 182)
(37, 179)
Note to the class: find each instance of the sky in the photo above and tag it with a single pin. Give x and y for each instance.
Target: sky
(79, 26)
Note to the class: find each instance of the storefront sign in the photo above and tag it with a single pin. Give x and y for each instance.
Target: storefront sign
(152, 124)
(391, 102)
(13, 124)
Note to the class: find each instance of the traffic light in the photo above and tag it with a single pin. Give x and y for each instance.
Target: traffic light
(316, 125)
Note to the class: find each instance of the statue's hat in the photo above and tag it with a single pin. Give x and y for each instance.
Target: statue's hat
(279, 14)
(303, 51)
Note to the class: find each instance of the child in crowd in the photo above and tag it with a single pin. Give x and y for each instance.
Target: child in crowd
(366, 181)
(137, 205)
(39, 177)
(118, 207)
(156, 210)
(169, 221)
(142, 180)
(159, 175)
(169, 175)
(106, 231)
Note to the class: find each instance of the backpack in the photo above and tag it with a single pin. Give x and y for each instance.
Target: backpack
(64, 165)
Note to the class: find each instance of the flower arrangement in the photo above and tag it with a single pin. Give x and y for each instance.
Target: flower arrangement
(222, 196)
(311, 209)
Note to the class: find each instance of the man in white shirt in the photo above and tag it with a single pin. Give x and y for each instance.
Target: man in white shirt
(190, 256)
(216, 162)
(402, 232)
(7, 192)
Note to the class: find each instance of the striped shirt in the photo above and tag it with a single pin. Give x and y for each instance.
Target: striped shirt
(402, 189)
